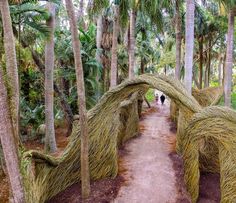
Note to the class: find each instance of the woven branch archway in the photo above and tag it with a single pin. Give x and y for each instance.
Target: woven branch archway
(211, 138)
(45, 176)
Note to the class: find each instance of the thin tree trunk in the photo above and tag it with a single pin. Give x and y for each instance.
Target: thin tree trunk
(229, 60)
(81, 9)
(142, 66)
(208, 66)
(11, 66)
(220, 70)
(126, 37)
(50, 140)
(178, 37)
(189, 45)
(132, 44)
(224, 68)
(80, 16)
(143, 61)
(98, 52)
(113, 79)
(99, 38)
(85, 179)
(200, 42)
(9, 146)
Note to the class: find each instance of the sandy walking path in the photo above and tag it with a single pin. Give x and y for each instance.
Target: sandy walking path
(150, 175)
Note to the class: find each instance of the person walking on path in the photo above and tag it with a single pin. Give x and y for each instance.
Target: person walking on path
(162, 99)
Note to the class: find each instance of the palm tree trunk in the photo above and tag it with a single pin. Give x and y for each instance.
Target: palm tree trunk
(200, 42)
(99, 38)
(132, 44)
(220, 70)
(126, 37)
(85, 177)
(208, 65)
(50, 140)
(9, 146)
(229, 60)
(11, 64)
(113, 79)
(178, 37)
(81, 9)
(189, 45)
(98, 52)
(80, 16)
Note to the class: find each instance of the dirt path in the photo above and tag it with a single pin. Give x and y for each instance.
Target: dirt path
(150, 175)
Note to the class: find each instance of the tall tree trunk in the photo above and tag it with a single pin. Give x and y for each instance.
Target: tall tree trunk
(208, 65)
(50, 141)
(220, 70)
(99, 38)
(142, 66)
(132, 44)
(85, 179)
(178, 37)
(189, 45)
(80, 15)
(143, 60)
(113, 79)
(126, 37)
(98, 52)
(229, 60)
(11, 64)
(224, 61)
(81, 9)
(9, 146)
(200, 43)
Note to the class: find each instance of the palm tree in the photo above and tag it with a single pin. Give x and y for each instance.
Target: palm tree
(189, 44)
(132, 43)
(50, 141)
(8, 145)
(11, 64)
(113, 72)
(99, 38)
(178, 37)
(229, 59)
(85, 179)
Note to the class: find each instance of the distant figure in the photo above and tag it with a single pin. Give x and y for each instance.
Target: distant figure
(156, 96)
(162, 99)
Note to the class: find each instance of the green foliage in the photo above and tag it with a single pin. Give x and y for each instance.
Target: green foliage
(150, 95)
(234, 100)
(92, 69)
(97, 7)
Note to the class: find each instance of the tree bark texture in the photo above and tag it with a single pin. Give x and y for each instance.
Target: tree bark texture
(85, 178)
(200, 43)
(189, 44)
(11, 66)
(229, 60)
(178, 36)
(132, 44)
(9, 146)
(50, 140)
(113, 72)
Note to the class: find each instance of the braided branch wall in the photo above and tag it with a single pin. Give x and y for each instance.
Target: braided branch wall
(213, 126)
(111, 122)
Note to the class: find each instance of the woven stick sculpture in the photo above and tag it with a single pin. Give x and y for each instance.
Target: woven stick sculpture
(111, 122)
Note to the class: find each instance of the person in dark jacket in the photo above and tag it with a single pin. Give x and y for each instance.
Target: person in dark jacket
(162, 99)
